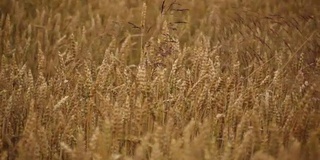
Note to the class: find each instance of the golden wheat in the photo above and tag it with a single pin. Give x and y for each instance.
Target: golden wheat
(171, 79)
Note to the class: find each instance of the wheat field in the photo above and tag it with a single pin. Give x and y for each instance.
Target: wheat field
(160, 79)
